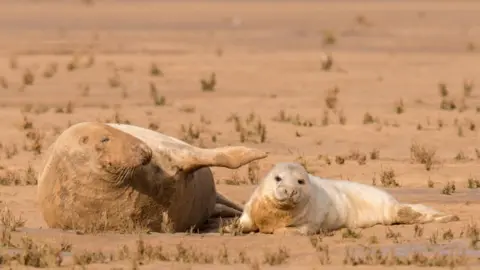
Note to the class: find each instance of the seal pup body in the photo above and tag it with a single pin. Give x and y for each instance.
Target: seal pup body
(289, 200)
(119, 174)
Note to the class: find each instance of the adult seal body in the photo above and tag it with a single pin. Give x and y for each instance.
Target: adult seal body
(290, 200)
(114, 175)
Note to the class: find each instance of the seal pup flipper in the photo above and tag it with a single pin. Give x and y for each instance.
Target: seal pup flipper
(222, 200)
(419, 213)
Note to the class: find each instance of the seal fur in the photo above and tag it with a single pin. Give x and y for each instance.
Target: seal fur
(124, 173)
(290, 200)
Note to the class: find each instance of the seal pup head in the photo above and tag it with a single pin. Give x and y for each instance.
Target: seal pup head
(108, 149)
(288, 185)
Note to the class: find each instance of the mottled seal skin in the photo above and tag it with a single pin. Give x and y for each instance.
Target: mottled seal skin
(289, 200)
(131, 175)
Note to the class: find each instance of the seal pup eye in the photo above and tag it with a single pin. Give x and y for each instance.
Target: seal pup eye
(301, 181)
(278, 179)
(104, 139)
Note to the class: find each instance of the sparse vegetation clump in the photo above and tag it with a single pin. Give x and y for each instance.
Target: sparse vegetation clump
(3, 82)
(251, 129)
(74, 63)
(473, 183)
(208, 85)
(399, 107)
(277, 257)
(449, 188)
(375, 256)
(368, 119)
(442, 89)
(18, 177)
(158, 100)
(114, 81)
(423, 155)
(349, 233)
(430, 183)
(331, 98)
(395, 236)
(296, 120)
(387, 178)
(326, 62)
(28, 77)
(9, 221)
(329, 38)
(468, 88)
(155, 71)
(374, 154)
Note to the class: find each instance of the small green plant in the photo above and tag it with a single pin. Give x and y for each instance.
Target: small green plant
(74, 63)
(473, 183)
(423, 155)
(374, 154)
(329, 38)
(467, 88)
(50, 70)
(155, 71)
(443, 90)
(114, 81)
(342, 119)
(417, 231)
(349, 233)
(3, 82)
(277, 257)
(430, 183)
(368, 119)
(448, 235)
(158, 100)
(460, 156)
(209, 85)
(447, 104)
(449, 188)
(390, 234)
(327, 62)
(387, 178)
(399, 107)
(28, 77)
(331, 98)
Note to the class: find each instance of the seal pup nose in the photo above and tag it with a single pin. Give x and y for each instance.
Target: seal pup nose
(283, 191)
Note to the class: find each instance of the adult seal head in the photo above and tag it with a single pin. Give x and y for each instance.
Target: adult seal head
(84, 175)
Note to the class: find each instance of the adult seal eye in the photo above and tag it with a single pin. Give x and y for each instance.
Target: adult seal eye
(301, 181)
(104, 139)
(278, 179)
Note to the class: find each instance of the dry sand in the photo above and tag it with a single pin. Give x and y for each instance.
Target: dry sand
(267, 57)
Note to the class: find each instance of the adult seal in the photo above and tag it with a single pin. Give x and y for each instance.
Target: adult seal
(292, 201)
(114, 176)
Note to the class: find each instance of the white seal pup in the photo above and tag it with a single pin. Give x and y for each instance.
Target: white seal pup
(292, 201)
